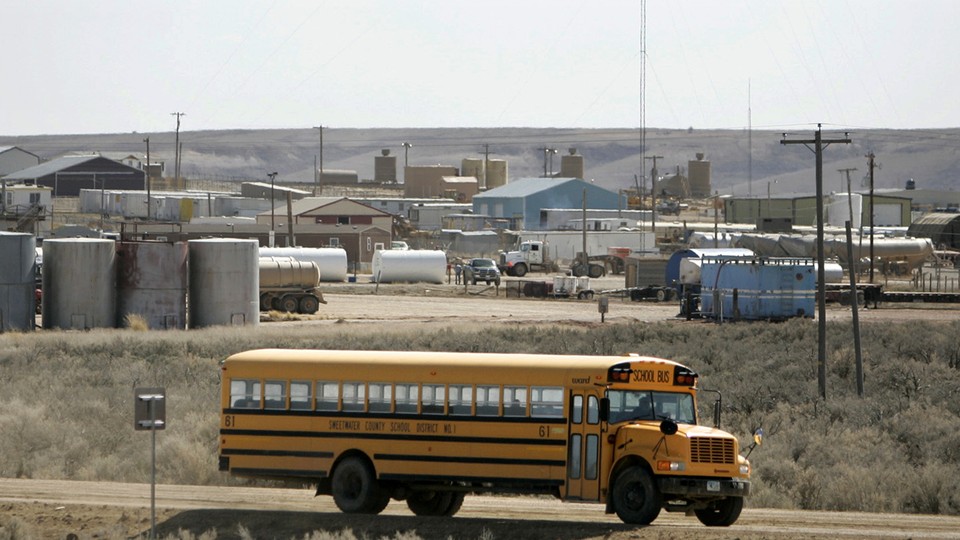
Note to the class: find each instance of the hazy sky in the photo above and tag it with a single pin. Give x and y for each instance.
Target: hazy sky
(125, 65)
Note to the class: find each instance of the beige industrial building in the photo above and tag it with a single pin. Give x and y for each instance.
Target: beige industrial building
(426, 181)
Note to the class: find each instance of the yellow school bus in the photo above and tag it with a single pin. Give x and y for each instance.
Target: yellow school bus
(429, 427)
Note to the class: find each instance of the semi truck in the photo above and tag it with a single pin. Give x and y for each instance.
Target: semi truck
(533, 256)
(289, 285)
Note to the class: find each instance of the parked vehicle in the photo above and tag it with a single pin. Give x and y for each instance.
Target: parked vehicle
(481, 269)
(287, 284)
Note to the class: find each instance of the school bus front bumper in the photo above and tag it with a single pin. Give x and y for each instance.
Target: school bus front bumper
(703, 487)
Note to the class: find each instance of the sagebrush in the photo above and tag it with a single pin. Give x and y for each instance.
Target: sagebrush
(66, 399)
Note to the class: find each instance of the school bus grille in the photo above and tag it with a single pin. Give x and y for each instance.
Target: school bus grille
(711, 450)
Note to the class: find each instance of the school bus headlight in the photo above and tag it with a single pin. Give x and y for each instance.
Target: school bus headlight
(745, 469)
(664, 465)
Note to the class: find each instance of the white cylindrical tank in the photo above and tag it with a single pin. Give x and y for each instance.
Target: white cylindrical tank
(152, 283)
(79, 283)
(331, 261)
(224, 282)
(18, 278)
(418, 265)
(838, 209)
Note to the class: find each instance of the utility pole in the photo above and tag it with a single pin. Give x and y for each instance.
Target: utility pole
(653, 197)
(847, 171)
(486, 163)
(273, 204)
(872, 164)
(317, 186)
(544, 149)
(147, 140)
(819, 144)
(176, 148)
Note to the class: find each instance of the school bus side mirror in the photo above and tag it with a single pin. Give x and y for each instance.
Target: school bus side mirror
(604, 409)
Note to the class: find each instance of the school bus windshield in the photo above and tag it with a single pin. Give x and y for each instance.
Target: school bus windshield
(646, 405)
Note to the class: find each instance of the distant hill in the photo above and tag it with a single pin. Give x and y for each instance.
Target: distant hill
(612, 156)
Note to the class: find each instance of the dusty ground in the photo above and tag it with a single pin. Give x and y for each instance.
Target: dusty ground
(367, 302)
(53, 509)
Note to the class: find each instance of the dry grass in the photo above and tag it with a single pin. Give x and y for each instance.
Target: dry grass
(66, 411)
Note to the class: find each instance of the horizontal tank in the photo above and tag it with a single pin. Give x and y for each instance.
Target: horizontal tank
(757, 288)
(913, 251)
(287, 272)
(224, 282)
(331, 261)
(79, 283)
(412, 266)
(152, 284)
(18, 281)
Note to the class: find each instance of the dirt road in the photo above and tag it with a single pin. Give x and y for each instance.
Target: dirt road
(53, 509)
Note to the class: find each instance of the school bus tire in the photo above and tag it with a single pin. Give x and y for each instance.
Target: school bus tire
(355, 487)
(456, 501)
(430, 503)
(722, 513)
(635, 497)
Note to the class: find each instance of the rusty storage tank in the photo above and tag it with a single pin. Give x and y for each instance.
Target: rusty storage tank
(699, 175)
(79, 283)
(18, 280)
(224, 282)
(331, 261)
(496, 173)
(152, 283)
(411, 266)
(472, 167)
(571, 165)
(385, 167)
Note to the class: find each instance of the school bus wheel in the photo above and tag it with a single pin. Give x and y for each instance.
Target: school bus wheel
(635, 498)
(355, 488)
(429, 503)
(722, 513)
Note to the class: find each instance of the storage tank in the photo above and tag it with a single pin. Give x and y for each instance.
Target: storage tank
(282, 272)
(18, 279)
(224, 282)
(571, 165)
(472, 167)
(496, 173)
(699, 174)
(838, 210)
(419, 265)
(152, 283)
(385, 167)
(331, 261)
(79, 283)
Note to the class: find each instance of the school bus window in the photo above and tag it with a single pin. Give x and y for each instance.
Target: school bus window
(546, 401)
(275, 395)
(593, 410)
(432, 400)
(354, 395)
(245, 394)
(676, 406)
(407, 395)
(488, 400)
(590, 467)
(461, 399)
(574, 459)
(328, 395)
(381, 396)
(514, 400)
(577, 414)
(300, 398)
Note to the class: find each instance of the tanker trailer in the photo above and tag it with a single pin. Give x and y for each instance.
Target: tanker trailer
(289, 285)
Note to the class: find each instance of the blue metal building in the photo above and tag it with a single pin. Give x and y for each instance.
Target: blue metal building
(523, 200)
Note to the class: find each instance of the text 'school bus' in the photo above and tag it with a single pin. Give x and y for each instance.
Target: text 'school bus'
(430, 427)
